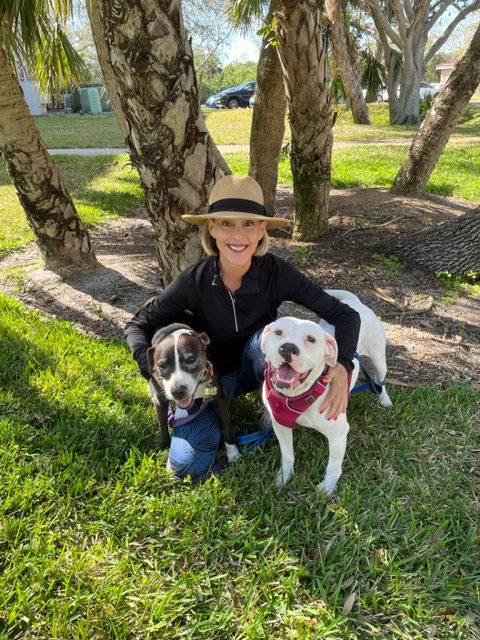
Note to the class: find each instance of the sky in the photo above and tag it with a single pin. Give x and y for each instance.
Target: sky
(242, 49)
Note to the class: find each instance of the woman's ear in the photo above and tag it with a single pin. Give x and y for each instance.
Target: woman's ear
(211, 227)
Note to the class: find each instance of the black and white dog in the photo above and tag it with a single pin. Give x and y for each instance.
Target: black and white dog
(180, 372)
(297, 354)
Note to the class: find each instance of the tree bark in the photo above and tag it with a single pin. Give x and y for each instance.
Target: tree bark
(452, 246)
(344, 62)
(152, 73)
(268, 121)
(436, 129)
(303, 56)
(408, 32)
(60, 234)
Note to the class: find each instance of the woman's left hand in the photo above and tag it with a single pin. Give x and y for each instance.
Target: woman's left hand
(336, 400)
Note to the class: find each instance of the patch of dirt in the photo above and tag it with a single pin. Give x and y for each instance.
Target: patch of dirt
(433, 337)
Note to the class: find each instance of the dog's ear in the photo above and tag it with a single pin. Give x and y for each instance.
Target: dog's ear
(204, 339)
(331, 350)
(151, 359)
(263, 340)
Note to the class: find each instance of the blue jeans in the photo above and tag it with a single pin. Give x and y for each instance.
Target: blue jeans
(195, 444)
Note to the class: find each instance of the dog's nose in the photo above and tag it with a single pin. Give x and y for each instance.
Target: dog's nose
(179, 391)
(287, 350)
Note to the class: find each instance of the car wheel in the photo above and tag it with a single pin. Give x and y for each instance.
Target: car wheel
(233, 103)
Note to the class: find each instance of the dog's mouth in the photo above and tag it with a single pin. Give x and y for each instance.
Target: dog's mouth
(285, 376)
(185, 403)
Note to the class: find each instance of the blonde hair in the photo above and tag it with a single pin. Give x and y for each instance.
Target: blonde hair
(209, 243)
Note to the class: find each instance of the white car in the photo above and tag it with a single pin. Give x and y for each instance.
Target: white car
(425, 89)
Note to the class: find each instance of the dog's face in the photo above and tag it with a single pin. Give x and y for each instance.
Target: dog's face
(178, 362)
(297, 351)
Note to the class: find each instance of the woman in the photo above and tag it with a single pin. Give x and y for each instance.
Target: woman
(231, 295)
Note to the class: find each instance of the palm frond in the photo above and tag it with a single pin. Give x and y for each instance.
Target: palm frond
(56, 61)
(242, 13)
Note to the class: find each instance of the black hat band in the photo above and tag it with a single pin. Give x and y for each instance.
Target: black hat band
(237, 204)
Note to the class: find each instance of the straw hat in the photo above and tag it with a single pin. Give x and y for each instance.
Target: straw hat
(236, 197)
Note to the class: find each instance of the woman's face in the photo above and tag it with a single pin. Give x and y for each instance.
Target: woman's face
(237, 239)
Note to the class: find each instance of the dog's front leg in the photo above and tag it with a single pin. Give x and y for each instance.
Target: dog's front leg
(161, 407)
(285, 440)
(223, 413)
(337, 445)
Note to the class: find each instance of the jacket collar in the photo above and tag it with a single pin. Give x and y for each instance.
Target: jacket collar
(250, 281)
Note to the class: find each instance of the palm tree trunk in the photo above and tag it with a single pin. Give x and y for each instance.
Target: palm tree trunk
(433, 135)
(268, 121)
(60, 234)
(344, 62)
(152, 73)
(303, 56)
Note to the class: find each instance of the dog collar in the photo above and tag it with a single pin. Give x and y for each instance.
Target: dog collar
(287, 410)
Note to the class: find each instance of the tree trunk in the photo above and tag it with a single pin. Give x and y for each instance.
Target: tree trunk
(408, 111)
(452, 246)
(152, 73)
(440, 121)
(60, 234)
(268, 121)
(344, 62)
(303, 56)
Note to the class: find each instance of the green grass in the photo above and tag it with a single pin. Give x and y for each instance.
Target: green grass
(456, 174)
(97, 541)
(233, 127)
(80, 131)
(103, 187)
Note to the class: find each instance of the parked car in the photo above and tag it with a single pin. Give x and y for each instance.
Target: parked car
(251, 102)
(425, 89)
(235, 97)
(212, 101)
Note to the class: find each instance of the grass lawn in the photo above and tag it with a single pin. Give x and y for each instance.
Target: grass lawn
(233, 127)
(103, 187)
(456, 174)
(97, 541)
(80, 131)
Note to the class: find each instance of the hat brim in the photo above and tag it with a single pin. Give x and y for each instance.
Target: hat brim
(201, 219)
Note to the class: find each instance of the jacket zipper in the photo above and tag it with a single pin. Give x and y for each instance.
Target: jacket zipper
(234, 310)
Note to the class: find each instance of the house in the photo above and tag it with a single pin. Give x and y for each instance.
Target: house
(31, 91)
(445, 69)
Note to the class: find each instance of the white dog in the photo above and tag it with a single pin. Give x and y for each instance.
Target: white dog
(297, 353)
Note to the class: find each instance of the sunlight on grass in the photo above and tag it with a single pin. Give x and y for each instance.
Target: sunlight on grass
(98, 540)
(102, 187)
(76, 131)
(457, 173)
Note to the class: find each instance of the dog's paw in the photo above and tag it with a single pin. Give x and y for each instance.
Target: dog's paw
(327, 486)
(384, 399)
(282, 479)
(232, 452)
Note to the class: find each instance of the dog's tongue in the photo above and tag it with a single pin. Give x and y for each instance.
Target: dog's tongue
(186, 403)
(285, 373)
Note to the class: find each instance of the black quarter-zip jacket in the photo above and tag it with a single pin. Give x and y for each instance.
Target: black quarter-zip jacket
(199, 298)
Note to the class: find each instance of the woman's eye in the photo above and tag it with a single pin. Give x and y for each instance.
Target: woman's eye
(226, 223)
(311, 339)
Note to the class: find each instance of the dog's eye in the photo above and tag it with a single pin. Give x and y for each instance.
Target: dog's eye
(189, 359)
(311, 339)
(278, 332)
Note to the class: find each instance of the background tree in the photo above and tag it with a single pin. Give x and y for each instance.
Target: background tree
(303, 55)
(150, 68)
(403, 30)
(268, 120)
(440, 122)
(344, 61)
(31, 32)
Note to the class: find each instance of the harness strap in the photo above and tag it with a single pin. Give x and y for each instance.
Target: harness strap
(369, 383)
(177, 422)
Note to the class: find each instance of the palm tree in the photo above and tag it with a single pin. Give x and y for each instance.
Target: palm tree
(30, 31)
(147, 61)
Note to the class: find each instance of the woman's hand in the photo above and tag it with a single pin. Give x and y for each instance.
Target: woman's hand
(336, 400)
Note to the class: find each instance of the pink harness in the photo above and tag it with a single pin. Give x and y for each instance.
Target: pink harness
(287, 410)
